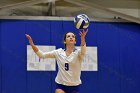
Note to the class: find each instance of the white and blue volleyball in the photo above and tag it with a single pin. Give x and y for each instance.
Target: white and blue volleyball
(81, 21)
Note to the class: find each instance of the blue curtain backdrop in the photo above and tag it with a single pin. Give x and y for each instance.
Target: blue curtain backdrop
(118, 56)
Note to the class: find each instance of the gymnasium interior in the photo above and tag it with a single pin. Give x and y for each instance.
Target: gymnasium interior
(113, 36)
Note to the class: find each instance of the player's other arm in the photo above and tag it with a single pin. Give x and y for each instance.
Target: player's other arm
(39, 53)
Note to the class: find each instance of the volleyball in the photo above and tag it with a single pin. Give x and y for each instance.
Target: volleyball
(81, 21)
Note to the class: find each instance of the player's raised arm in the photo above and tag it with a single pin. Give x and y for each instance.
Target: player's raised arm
(39, 53)
(31, 43)
(82, 35)
(83, 42)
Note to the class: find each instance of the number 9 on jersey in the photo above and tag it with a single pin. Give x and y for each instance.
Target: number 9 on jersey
(66, 66)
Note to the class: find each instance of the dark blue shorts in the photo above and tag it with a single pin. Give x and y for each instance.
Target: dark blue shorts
(68, 89)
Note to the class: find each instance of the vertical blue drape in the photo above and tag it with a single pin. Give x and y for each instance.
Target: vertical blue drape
(13, 55)
(108, 58)
(130, 57)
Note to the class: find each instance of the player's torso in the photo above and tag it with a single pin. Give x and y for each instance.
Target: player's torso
(69, 66)
(68, 62)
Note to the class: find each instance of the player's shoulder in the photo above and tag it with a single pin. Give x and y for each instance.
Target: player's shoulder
(77, 49)
(59, 50)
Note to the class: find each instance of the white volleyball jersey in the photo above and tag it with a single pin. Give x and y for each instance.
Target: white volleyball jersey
(69, 67)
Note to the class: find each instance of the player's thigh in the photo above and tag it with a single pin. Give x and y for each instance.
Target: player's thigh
(59, 91)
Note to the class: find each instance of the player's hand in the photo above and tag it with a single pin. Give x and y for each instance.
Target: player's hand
(83, 33)
(29, 39)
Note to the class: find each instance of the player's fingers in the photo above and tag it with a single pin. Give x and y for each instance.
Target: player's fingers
(28, 37)
(81, 33)
(86, 31)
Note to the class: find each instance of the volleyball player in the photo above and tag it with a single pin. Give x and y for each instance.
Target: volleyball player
(69, 61)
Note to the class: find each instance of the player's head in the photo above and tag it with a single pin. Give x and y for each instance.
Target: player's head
(69, 39)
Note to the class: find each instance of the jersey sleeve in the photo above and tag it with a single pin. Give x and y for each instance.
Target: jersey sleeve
(44, 55)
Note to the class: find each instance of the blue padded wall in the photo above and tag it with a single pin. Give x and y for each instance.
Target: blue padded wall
(118, 56)
(108, 58)
(130, 57)
(13, 56)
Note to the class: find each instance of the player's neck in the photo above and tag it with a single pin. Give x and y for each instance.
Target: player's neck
(70, 48)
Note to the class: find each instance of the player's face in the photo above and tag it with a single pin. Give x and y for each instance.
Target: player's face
(70, 38)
